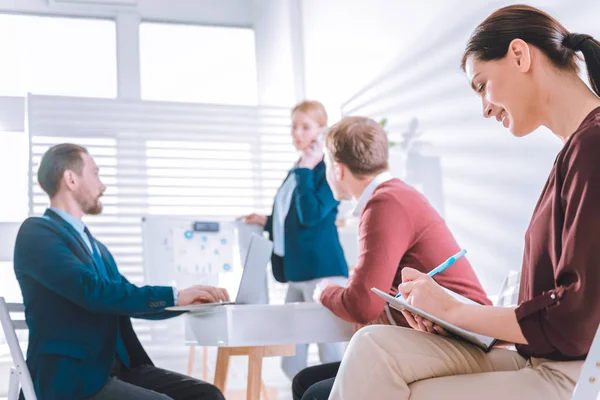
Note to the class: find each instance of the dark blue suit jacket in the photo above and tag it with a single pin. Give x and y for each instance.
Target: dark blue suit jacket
(312, 244)
(73, 315)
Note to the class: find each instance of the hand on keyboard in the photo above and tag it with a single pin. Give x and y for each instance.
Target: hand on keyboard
(201, 294)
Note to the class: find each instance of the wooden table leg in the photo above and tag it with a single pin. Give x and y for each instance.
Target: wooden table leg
(255, 361)
(223, 355)
(265, 391)
(204, 363)
(190, 368)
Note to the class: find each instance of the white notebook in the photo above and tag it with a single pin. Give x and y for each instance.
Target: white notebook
(484, 342)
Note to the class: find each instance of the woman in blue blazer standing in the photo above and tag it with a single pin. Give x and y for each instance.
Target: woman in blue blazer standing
(302, 226)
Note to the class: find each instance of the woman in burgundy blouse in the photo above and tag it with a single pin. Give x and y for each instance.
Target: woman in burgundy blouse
(523, 65)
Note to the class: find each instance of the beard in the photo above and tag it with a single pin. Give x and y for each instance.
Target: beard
(90, 206)
(95, 209)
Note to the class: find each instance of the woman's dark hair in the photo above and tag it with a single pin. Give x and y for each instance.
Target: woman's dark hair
(491, 39)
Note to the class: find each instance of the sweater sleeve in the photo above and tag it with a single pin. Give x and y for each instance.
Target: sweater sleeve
(385, 234)
(565, 318)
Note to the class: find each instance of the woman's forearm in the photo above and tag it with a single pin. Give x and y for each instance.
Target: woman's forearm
(497, 322)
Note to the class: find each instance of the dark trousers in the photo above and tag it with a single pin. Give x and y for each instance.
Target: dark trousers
(150, 383)
(315, 383)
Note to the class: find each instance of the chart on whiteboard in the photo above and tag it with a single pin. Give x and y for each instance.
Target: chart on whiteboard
(182, 251)
(200, 257)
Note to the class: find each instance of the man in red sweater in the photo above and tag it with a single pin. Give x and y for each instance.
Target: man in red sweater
(398, 228)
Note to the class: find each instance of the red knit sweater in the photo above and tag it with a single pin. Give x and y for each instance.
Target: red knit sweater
(398, 228)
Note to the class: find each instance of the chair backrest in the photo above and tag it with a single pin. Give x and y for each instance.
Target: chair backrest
(9, 326)
(8, 237)
(588, 385)
(509, 292)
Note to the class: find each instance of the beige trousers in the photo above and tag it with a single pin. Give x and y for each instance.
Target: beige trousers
(389, 362)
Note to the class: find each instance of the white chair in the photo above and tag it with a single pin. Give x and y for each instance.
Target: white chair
(19, 374)
(588, 385)
(509, 292)
(8, 236)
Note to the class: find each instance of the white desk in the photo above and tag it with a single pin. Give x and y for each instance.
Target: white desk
(260, 331)
(265, 325)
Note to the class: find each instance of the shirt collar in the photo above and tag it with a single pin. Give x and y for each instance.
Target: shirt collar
(366, 194)
(77, 224)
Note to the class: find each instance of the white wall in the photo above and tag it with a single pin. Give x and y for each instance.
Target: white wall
(12, 114)
(349, 42)
(491, 180)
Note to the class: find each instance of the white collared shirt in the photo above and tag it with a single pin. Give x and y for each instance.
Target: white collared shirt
(78, 225)
(283, 201)
(368, 192)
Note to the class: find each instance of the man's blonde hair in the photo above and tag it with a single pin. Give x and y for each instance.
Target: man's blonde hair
(359, 143)
(314, 109)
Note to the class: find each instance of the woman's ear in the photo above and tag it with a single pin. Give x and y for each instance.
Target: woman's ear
(519, 53)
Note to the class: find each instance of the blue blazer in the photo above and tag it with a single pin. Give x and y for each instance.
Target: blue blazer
(73, 315)
(312, 245)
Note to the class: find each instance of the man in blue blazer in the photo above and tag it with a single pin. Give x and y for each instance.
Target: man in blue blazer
(77, 304)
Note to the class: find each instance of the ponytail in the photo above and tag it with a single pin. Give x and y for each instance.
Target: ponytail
(590, 48)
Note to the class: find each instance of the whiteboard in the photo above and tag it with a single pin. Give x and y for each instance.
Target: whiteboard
(175, 254)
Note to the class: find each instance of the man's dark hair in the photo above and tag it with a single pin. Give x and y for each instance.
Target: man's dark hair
(55, 162)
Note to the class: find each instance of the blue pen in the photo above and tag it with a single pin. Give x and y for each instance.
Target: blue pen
(443, 266)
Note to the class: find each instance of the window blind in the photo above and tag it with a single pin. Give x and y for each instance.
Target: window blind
(159, 158)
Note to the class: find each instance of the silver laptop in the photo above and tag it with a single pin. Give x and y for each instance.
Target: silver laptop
(252, 284)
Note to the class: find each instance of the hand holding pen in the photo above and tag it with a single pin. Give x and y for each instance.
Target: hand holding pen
(423, 292)
(443, 266)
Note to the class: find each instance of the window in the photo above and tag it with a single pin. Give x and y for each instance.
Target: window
(189, 63)
(58, 56)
